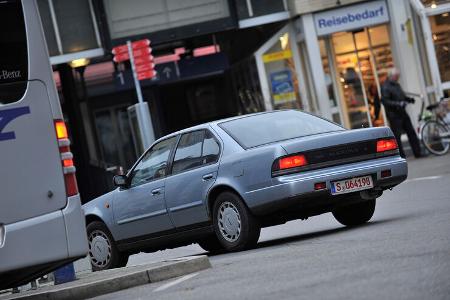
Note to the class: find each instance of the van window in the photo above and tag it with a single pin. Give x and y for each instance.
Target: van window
(14, 56)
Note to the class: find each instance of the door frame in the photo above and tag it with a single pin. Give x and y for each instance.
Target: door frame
(424, 13)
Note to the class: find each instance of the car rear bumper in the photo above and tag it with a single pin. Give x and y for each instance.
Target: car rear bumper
(297, 188)
(53, 237)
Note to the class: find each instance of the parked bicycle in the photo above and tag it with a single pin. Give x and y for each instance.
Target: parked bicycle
(435, 128)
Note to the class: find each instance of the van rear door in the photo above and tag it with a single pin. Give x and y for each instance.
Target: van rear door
(31, 173)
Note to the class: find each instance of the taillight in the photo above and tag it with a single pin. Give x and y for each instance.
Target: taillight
(292, 162)
(66, 158)
(61, 130)
(386, 145)
(288, 164)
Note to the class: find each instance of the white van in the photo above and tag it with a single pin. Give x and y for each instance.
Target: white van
(42, 225)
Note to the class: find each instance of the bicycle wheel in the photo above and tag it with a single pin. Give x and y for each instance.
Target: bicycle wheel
(432, 137)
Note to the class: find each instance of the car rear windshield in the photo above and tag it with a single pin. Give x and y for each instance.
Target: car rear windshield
(273, 127)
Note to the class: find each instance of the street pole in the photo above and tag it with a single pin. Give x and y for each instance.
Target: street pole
(142, 110)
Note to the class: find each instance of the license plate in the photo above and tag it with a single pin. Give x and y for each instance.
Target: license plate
(351, 185)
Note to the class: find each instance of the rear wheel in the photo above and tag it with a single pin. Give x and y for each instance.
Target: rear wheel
(355, 214)
(103, 251)
(235, 227)
(433, 134)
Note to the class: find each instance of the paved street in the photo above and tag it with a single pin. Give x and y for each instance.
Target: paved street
(403, 253)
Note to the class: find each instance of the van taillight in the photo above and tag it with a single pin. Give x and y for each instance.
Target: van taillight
(66, 158)
(61, 130)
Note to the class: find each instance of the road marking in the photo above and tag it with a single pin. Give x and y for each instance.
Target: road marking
(175, 282)
(424, 178)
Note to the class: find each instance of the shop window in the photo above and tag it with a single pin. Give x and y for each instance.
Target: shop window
(255, 8)
(282, 75)
(434, 3)
(76, 28)
(440, 28)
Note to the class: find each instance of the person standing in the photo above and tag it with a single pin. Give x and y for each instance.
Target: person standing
(394, 100)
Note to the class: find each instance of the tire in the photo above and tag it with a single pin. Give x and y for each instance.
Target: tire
(235, 227)
(103, 252)
(431, 137)
(212, 245)
(355, 214)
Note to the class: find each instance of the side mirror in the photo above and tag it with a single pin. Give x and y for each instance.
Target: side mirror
(120, 180)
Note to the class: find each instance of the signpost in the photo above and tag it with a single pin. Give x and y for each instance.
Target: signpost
(142, 66)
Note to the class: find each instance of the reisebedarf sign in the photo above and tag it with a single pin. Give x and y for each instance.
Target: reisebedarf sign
(351, 17)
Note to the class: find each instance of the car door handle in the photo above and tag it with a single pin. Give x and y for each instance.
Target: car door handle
(208, 176)
(156, 192)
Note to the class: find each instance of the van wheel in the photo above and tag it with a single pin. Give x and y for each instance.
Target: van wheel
(355, 214)
(211, 244)
(235, 227)
(103, 251)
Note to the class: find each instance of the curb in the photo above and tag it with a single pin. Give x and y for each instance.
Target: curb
(119, 281)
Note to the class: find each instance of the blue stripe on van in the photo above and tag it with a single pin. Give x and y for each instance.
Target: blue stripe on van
(6, 116)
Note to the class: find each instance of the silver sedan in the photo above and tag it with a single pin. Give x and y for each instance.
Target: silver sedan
(219, 183)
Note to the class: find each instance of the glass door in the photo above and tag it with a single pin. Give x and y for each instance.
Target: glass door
(114, 136)
(360, 63)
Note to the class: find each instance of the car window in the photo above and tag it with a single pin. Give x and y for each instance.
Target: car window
(189, 152)
(154, 164)
(211, 149)
(268, 128)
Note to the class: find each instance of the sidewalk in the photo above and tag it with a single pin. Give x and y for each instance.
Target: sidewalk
(100, 283)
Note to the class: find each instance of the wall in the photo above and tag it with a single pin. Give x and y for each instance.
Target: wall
(307, 6)
(134, 17)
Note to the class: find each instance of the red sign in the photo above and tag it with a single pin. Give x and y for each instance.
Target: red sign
(146, 74)
(121, 57)
(141, 52)
(140, 44)
(120, 49)
(141, 60)
(145, 67)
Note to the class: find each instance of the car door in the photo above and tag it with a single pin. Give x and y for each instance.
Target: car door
(194, 170)
(140, 210)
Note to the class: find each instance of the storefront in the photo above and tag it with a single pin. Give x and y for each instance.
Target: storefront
(333, 62)
(356, 55)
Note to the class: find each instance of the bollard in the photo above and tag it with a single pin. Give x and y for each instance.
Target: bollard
(64, 274)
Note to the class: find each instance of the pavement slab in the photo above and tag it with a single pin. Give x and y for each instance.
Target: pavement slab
(100, 283)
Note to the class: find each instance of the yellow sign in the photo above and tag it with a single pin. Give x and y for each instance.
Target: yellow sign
(409, 31)
(284, 97)
(274, 56)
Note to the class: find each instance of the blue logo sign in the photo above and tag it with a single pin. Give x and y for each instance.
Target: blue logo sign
(350, 18)
(6, 116)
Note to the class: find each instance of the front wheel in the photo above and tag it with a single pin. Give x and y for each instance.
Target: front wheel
(435, 137)
(235, 227)
(103, 252)
(355, 214)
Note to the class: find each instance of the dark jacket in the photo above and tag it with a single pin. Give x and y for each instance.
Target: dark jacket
(393, 97)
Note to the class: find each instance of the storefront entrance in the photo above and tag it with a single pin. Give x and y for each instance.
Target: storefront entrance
(355, 64)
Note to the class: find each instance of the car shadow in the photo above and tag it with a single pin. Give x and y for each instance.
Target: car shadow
(323, 233)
